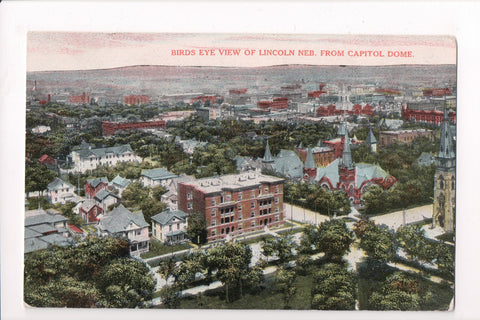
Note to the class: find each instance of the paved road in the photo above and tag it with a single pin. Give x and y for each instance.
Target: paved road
(395, 220)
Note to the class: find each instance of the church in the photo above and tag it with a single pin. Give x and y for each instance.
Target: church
(343, 174)
(444, 188)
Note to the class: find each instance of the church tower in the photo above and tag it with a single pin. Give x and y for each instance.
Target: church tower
(267, 157)
(346, 171)
(444, 188)
(371, 142)
(309, 169)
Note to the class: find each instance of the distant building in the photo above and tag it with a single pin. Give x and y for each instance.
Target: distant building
(170, 226)
(136, 100)
(157, 177)
(426, 159)
(59, 191)
(121, 222)
(234, 204)
(46, 160)
(89, 210)
(93, 186)
(109, 128)
(41, 129)
(87, 158)
(403, 136)
(83, 99)
(277, 103)
(427, 116)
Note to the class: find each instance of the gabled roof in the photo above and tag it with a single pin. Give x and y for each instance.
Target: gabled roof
(29, 233)
(267, 157)
(158, 174)
(96, 181)
(119, 181)
(44, 218)
(120, 218)
(166, 216)
(88, 204)
(309, 162)
(288, 163)
(103, 194)
(43, 228)
(34, 244)
(58, 184)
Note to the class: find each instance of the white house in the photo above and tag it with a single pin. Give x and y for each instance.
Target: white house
(121, 222)
(59, 191)
(85, 158)
(156, 177)
(170, 226)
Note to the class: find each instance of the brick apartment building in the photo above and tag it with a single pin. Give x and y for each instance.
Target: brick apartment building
(405, 136)
(234, 204)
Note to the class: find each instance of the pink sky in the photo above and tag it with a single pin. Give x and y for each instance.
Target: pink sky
(79, 51)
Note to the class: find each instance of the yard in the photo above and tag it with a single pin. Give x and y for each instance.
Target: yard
(158, 249)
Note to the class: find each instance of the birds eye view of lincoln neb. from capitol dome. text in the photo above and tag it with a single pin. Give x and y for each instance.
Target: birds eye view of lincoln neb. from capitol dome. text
(240, 171)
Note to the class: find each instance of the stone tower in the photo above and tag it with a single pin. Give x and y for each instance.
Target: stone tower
(444, 189)
(346, 171)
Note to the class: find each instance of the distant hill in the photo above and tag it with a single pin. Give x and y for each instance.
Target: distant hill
(158, 80)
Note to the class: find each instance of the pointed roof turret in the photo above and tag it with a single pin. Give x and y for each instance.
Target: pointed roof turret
(309, 163)
(371, 138)
(267, 157)
(347, 154)
(446, 153)
(320, 143)
(300, 146)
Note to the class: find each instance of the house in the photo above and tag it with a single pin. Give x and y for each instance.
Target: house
(156, 177)
(106, 198)
(46, 160)
(121, 222)
(170, 198)
(44, 228)
(120, 184)
(93, 186)
(170, 226)
(89, 210)
(86, 158)
(59, 191)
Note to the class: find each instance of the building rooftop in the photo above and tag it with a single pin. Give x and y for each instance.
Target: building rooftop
(121, 219)
(233, 182)
(58, 184)
(96, 181)
(119, 181)
(158, 174)
(101, 152)
(166, 216)
(43, 218)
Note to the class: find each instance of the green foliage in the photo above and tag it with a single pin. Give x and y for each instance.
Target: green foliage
(334, 288)
(37, 177)
(67, 211)
(285, 279)
(197, 228)
(95, 273)
(125, 283)
(157, 192)
(379, 243)
(303, 264)
(398, 292)
(44, 204)
(331, 237)
(170, 297)
(318, 199)
(282, 247)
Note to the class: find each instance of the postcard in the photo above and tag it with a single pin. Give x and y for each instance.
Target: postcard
(240, 171)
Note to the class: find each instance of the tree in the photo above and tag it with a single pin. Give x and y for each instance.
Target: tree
(170, 297)
(157, 192)
(231, 261)
(333, 238)
(166, 268)
(397, 293)
(282, 247)
(151, 207)
(37, 177)
(197, 228)
(135, 194)
(126, 283)
(375, 200)
(379, 243)
(285, 280)
(334, 288)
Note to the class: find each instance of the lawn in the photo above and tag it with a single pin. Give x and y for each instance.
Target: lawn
(266, 298)
(158, 249)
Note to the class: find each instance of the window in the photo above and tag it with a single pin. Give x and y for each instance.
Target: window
(253, 223)
(178, 226)
(276, 209)
(170, 228)
(189, 196)
(213, 202)
(276, 189)
(213, 233)
(138, 232)
(189, 206)
(276, 200)
(213, 212)
(154, 232)
(239, 196)
(252, 205)
(253, 214)
(214, 222)
(239, 207)
(239, 217)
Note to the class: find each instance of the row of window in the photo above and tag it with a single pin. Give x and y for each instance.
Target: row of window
(252, 224)
(232, 218)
